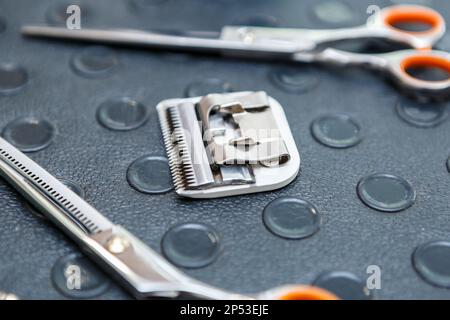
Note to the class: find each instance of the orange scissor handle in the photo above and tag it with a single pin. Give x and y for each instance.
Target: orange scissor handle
(427, 61)
(403, 62)
(395, 15)
(305, 293)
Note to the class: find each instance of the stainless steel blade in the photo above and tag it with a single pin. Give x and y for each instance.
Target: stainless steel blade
(23, 169)
(160, 40)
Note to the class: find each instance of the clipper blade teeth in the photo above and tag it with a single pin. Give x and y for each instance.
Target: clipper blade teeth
(184, 145)
(171, 150)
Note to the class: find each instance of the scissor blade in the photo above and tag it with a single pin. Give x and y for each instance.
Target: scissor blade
(161, 40)
(186, 33)
(142, 270)
(45, 191)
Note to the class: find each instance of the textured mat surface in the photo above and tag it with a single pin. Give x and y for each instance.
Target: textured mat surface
(88, 113)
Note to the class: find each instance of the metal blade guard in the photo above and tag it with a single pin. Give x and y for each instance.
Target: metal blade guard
(228, 144)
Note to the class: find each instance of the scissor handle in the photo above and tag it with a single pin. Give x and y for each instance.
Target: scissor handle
(391, 17)
(401, 62)
(397, 64)
(298, 292)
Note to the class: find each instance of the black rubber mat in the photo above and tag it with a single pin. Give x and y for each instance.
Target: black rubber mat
(374, 187)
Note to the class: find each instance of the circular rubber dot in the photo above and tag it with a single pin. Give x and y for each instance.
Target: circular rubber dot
(207, 86)
(336, 131)
(150, 174)
(95, 61)
(345, 285)
(12, 78)
(291, 218)
(2, 25)
(386, 192)
(76, 277)
(295, 80)
(448, 164)
(176, 57)
(57, 13)
(423, 115)
(68, 183)
(147, 3)
(334, 13)
(257, 20)
(191, 245)
(122, 114)
(73, 187)
(432, 262)
(29, 134)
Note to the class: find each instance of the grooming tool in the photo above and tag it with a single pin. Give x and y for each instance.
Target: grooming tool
(227, 144)
(7, 296)
(142, 270)
(303, 45)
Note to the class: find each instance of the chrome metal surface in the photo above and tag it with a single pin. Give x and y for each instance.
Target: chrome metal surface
(30, 174)
(160, 40)
(256, 138)
(285, 43)
(391, 62)
(8, 296)
(187, 139)
(143, 271)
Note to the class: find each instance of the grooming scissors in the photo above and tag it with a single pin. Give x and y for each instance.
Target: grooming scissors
(140, 269)
(304, 45)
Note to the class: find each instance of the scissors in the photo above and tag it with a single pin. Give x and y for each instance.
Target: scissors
(304, 45)
(141, 270)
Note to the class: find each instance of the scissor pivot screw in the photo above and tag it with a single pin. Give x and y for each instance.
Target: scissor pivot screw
(117, 244)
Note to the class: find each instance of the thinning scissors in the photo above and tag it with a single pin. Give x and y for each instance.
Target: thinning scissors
(305, 45)
(141, 270)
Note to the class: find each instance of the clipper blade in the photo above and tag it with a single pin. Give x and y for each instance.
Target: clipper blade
(185, 149)
(194, 164)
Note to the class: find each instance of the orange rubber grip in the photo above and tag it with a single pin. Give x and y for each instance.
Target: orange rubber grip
(405, 14)
(425, 61)
(308, 293)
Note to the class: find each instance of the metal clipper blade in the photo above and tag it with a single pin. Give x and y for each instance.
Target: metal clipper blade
(217, 145)
(187, 155)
